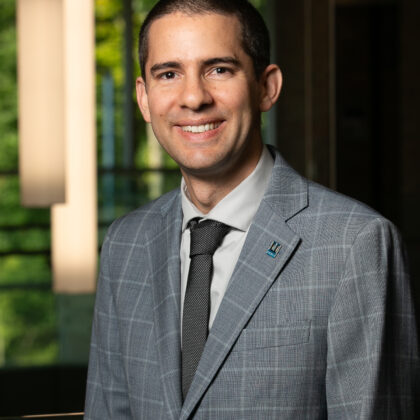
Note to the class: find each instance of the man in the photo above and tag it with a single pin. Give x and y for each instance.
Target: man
(309, 312)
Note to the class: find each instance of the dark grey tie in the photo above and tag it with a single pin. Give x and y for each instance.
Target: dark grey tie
(206, 237)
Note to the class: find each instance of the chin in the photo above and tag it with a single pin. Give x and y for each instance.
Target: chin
(204, 169)
(201, 161)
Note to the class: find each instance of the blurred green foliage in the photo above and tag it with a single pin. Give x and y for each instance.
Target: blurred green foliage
(8, 92)
(25, 270)
(31, 239)
(11, 212)
(28, 333)
(27, 317)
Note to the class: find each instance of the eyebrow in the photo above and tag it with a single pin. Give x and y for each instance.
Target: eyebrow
(222, 60)
(162, 66)
(210, 62)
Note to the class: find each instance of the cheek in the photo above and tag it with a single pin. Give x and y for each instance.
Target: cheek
(155, 107)
(235, 103)
(241, 101)
(160, 102)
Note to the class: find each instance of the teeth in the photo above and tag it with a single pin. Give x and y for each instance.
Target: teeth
(200, 128)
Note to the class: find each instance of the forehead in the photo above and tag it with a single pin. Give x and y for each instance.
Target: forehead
(183, 37)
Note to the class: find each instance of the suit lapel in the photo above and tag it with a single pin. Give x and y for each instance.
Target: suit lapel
(165, 263)
(253, 275)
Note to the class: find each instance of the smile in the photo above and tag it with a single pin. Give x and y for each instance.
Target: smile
(200, 128)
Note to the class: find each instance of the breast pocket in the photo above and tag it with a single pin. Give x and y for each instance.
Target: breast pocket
(273, 336)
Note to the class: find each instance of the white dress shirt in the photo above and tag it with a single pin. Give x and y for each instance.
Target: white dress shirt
(237, 209)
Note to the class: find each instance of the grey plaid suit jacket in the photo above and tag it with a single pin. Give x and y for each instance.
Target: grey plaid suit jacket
(324, 330)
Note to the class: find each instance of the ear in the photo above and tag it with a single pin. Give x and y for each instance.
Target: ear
(271, 82)
(142, 98)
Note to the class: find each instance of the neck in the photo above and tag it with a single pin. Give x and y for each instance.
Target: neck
(206, 192)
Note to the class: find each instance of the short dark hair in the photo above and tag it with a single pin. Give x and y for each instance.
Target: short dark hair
(255, 36)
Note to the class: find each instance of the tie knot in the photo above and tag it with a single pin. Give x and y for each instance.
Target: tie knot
(206, 236)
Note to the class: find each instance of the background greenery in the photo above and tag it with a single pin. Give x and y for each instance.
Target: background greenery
(31, 316)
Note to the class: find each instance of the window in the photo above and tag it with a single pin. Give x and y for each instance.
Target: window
(44, 337)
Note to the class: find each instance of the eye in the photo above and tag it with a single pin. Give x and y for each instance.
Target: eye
(221, 72)
(167, 75)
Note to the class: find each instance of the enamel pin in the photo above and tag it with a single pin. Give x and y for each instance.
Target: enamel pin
(274, 249)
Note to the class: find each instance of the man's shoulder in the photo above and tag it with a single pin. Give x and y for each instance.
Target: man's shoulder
(328, 200)
(337, 212)
(145, 217)
(315, 202)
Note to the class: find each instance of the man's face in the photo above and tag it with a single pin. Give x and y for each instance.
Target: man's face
(202, 96)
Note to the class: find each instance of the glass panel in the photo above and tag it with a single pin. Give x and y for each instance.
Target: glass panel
(38, 327)
(120, 193)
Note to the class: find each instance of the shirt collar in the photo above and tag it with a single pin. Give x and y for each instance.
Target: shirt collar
(238, 208)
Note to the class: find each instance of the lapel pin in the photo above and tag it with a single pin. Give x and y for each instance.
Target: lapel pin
(274, 249)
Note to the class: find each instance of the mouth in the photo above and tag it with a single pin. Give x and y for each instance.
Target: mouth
(202, 128)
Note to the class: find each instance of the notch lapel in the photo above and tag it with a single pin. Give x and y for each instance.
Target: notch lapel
(253, 275)
(165, 262)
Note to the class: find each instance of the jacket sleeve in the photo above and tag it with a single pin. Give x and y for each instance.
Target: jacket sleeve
(373, 358)
(107, 391)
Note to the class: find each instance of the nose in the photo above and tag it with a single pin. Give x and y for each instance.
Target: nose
(195, 94)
